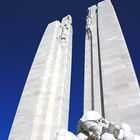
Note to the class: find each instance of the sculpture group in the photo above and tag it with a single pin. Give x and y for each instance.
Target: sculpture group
(92, 126)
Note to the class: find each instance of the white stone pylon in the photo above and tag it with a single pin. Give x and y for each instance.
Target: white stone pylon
(91, 71)
(44, 105)
(120, 85)
(112, 74)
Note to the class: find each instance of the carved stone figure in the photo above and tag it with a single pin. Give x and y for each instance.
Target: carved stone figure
(88, 19)
(89, 23)
(66, 23)
(92, 126)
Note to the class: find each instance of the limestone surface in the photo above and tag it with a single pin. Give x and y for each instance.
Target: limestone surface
(110, 84)
(44, 104)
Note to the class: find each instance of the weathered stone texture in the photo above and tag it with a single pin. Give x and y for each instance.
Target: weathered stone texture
(120, 86)
(44, 105)
(92, 26)
(121, 89)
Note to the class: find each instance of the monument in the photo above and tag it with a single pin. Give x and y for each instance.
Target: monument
(110, 85)
(44, 104)
(111, 90)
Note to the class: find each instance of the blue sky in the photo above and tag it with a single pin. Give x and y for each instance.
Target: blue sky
(22, 23)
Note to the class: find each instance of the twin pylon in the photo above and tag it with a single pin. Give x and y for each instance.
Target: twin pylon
(110, 84)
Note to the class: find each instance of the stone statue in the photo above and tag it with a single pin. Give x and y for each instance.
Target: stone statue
(92, 126)
(89, 23)
(88, 19)
(66, 23)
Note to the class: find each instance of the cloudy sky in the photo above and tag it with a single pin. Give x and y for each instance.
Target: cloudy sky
(22, 24)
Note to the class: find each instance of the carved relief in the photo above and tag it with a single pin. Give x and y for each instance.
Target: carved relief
(92, 126)
(88, 19)
(89, 23)
(66, 25)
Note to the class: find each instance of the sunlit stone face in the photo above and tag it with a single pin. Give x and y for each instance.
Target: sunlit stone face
(110, 84)
(44, 105)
